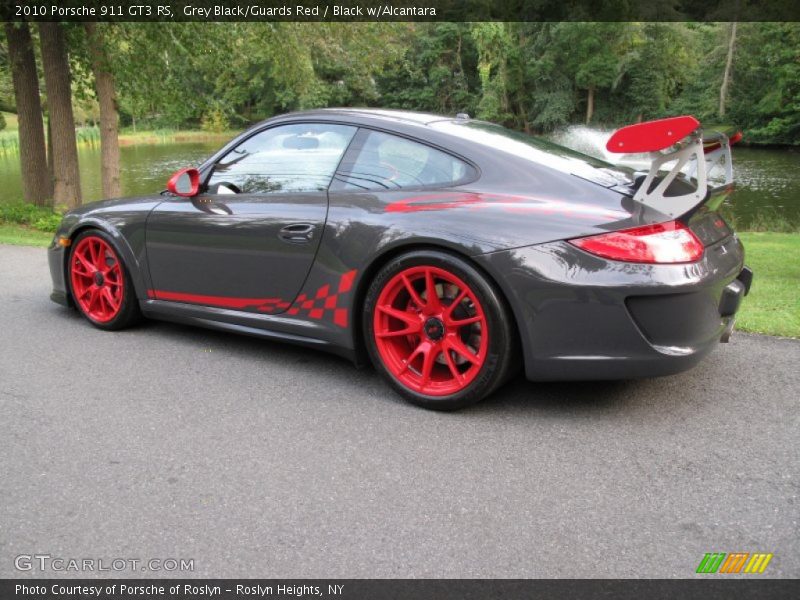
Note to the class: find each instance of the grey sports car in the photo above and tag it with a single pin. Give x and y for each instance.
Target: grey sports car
(449, 252)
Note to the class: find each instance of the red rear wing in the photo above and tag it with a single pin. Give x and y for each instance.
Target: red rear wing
(676, 145)
(652, 136)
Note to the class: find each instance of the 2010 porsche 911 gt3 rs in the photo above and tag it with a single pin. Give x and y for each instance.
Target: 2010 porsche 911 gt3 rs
(448, 251)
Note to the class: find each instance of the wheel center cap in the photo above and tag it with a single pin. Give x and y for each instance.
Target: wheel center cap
(99, 279)
(434, 329)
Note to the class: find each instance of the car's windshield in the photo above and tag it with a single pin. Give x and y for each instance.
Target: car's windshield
(537, 150)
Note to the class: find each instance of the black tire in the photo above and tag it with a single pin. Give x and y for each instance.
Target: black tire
(129, 313)
(501, 360)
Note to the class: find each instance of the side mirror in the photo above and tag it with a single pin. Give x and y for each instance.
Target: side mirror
(185, 182)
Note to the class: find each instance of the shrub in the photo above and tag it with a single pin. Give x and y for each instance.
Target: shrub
(215, 121)
(37, 217)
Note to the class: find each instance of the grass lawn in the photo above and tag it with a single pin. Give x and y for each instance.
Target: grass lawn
(11, 121)
(772, 307)
(21, 235)
(129, 138)
(9, 137)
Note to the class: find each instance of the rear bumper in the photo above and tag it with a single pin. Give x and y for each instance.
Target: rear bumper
(584, 318)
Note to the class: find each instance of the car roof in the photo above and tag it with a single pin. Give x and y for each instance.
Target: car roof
(403, 116)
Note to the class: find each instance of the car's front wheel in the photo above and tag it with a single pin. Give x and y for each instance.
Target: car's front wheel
(100, 283)
(438, 330)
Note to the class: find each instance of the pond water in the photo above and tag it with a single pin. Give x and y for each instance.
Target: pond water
(145, 168)
(768, 180)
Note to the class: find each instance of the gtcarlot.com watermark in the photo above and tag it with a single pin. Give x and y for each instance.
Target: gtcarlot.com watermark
(58, 564)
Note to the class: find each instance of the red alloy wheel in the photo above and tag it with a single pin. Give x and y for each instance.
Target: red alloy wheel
(97, 279)
(430, 331)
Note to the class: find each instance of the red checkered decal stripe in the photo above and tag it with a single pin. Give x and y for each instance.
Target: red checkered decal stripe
(325, 301)
(323, 304)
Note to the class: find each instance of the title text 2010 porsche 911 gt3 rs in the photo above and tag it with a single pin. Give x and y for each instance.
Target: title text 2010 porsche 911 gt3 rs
(449, 251)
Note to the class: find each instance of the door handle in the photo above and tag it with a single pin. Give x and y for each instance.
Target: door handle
(297, 233)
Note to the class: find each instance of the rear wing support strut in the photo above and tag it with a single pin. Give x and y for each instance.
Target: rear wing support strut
(678, 141)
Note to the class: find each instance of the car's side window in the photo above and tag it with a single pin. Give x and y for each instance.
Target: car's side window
(300, 157)
(387, 162)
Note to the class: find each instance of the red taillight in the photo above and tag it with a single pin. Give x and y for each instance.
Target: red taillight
(670, 242)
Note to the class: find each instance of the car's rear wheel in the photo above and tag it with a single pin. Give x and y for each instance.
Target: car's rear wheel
(100, 284)
(438, 330)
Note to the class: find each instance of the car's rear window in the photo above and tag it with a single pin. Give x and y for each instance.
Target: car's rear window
(387, 162)
(536, 150)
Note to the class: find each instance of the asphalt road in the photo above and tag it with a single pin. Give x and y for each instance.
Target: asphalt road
(258, 459)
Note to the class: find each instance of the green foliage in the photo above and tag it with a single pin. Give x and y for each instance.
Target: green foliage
(88, 135)
(36, 217)
(529, 76)
(437, 71)
(538, 76)
(2, 121)
(766, 79)
(215, 120)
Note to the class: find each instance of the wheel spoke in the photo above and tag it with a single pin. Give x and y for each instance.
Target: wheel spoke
(93, 297)
(456, 302)
(428, 360)
(413, 356)
(453, 367)
(431, 296)
(459, 348)
(415, 297)
(408, 318)
(85, 262)
(94, 251)
(399, 332)
(112, 302)
(462, 322)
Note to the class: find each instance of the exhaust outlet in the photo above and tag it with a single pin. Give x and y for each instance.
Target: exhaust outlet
(728, 331)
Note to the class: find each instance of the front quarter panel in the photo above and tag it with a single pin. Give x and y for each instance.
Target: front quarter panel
(124, 220)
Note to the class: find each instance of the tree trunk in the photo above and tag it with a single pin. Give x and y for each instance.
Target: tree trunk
(109, 116)
(589, 104)
(726, 77)
(67, 189)
(37, 187)
(51, 177)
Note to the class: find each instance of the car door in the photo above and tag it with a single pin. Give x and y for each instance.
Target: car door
(248, 240)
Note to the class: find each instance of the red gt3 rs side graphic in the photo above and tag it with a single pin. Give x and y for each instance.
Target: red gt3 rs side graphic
(264, 304)
(325, 301)
(507, 202)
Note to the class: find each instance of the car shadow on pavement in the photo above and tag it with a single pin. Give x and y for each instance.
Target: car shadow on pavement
(517, 396)
(562, 396)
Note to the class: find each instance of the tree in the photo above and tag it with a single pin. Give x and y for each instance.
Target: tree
(36, 183)
(765, 101)
(594, 53)
(493, 41)
(726, 77)
(662, 58)
(67, 184)
(435, 72)
(109, 116)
